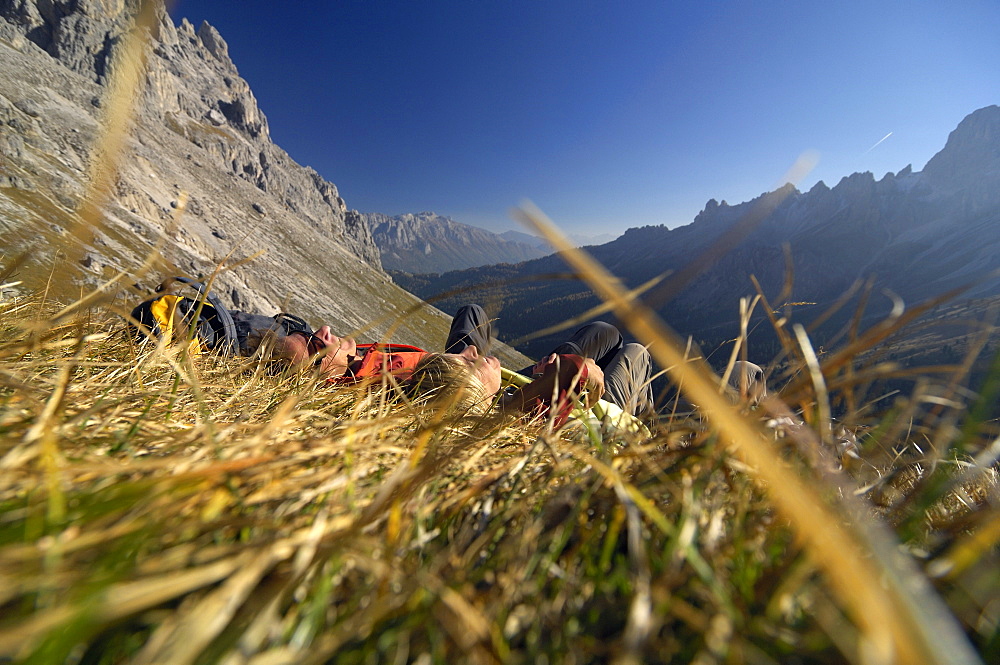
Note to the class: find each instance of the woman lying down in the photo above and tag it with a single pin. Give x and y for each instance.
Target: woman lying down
(594, 362)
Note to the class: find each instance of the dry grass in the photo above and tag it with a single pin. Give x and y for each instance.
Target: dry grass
(161, 508)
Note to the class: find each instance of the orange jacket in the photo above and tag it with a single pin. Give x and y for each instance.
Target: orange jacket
(398, 360)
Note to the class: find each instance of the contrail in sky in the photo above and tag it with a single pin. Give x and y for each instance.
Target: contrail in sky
(877, 143)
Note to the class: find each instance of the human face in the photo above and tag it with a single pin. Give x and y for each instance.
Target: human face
(486, 368)
(338, 350)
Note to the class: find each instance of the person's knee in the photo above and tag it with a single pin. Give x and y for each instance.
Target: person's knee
(636, 352)
(469, 327)
(748, 381)
(601, 329)
(598, 340)
(639, 360)
(627, 378)
(473, 310)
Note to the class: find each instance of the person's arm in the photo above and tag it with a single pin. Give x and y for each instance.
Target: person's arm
(559, 378)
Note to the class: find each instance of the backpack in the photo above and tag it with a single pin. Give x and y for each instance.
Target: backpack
(198, 314)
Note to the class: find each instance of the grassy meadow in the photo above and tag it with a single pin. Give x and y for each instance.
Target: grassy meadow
(159, 507)
(163, 507)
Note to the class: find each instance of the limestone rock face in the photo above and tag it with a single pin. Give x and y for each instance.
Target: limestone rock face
(968, 168)
(81, 35)
(193, 88)
(200, 184)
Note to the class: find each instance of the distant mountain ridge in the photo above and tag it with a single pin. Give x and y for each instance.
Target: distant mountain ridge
(578, 239)
(916, 234)
(426, 242)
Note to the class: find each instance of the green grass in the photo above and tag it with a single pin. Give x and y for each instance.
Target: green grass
(157, 508)
(163, 508)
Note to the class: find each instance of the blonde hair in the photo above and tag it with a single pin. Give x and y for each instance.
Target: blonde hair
(446, 380)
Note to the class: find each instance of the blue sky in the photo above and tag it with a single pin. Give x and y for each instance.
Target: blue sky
(606, 115)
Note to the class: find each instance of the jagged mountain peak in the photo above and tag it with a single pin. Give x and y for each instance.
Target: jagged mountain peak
(972, 151)
(423, 219)
(430, 243)
(214, 43)
(198, 136)
(723, 214)
(916, 234)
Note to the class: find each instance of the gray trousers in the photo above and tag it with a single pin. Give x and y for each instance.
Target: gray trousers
(627, 367)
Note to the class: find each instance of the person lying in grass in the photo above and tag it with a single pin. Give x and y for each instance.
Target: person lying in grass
(594, 362)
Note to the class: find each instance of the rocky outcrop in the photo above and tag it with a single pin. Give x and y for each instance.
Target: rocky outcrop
(199, 85)
(426, 242)
(195, 90)
(80, 34)
(200, 183)
(967, 170)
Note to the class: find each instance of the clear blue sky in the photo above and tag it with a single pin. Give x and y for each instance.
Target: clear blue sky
(607, 115)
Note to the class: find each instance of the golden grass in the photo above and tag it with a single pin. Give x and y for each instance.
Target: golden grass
(162, 508)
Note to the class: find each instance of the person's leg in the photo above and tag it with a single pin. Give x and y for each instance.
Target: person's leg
(469, 327)
(598, 341)
(627, 379)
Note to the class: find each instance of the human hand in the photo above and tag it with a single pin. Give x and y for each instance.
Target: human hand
(593, 384)
(570, 376)
(559, 381)
(539, 369)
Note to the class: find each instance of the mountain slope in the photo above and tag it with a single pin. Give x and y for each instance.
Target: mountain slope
(200, 184)
(426, 242)
(914, 233)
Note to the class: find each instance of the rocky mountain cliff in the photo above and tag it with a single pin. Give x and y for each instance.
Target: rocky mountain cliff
(917, 234)
(198, 136)
(426, 242)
